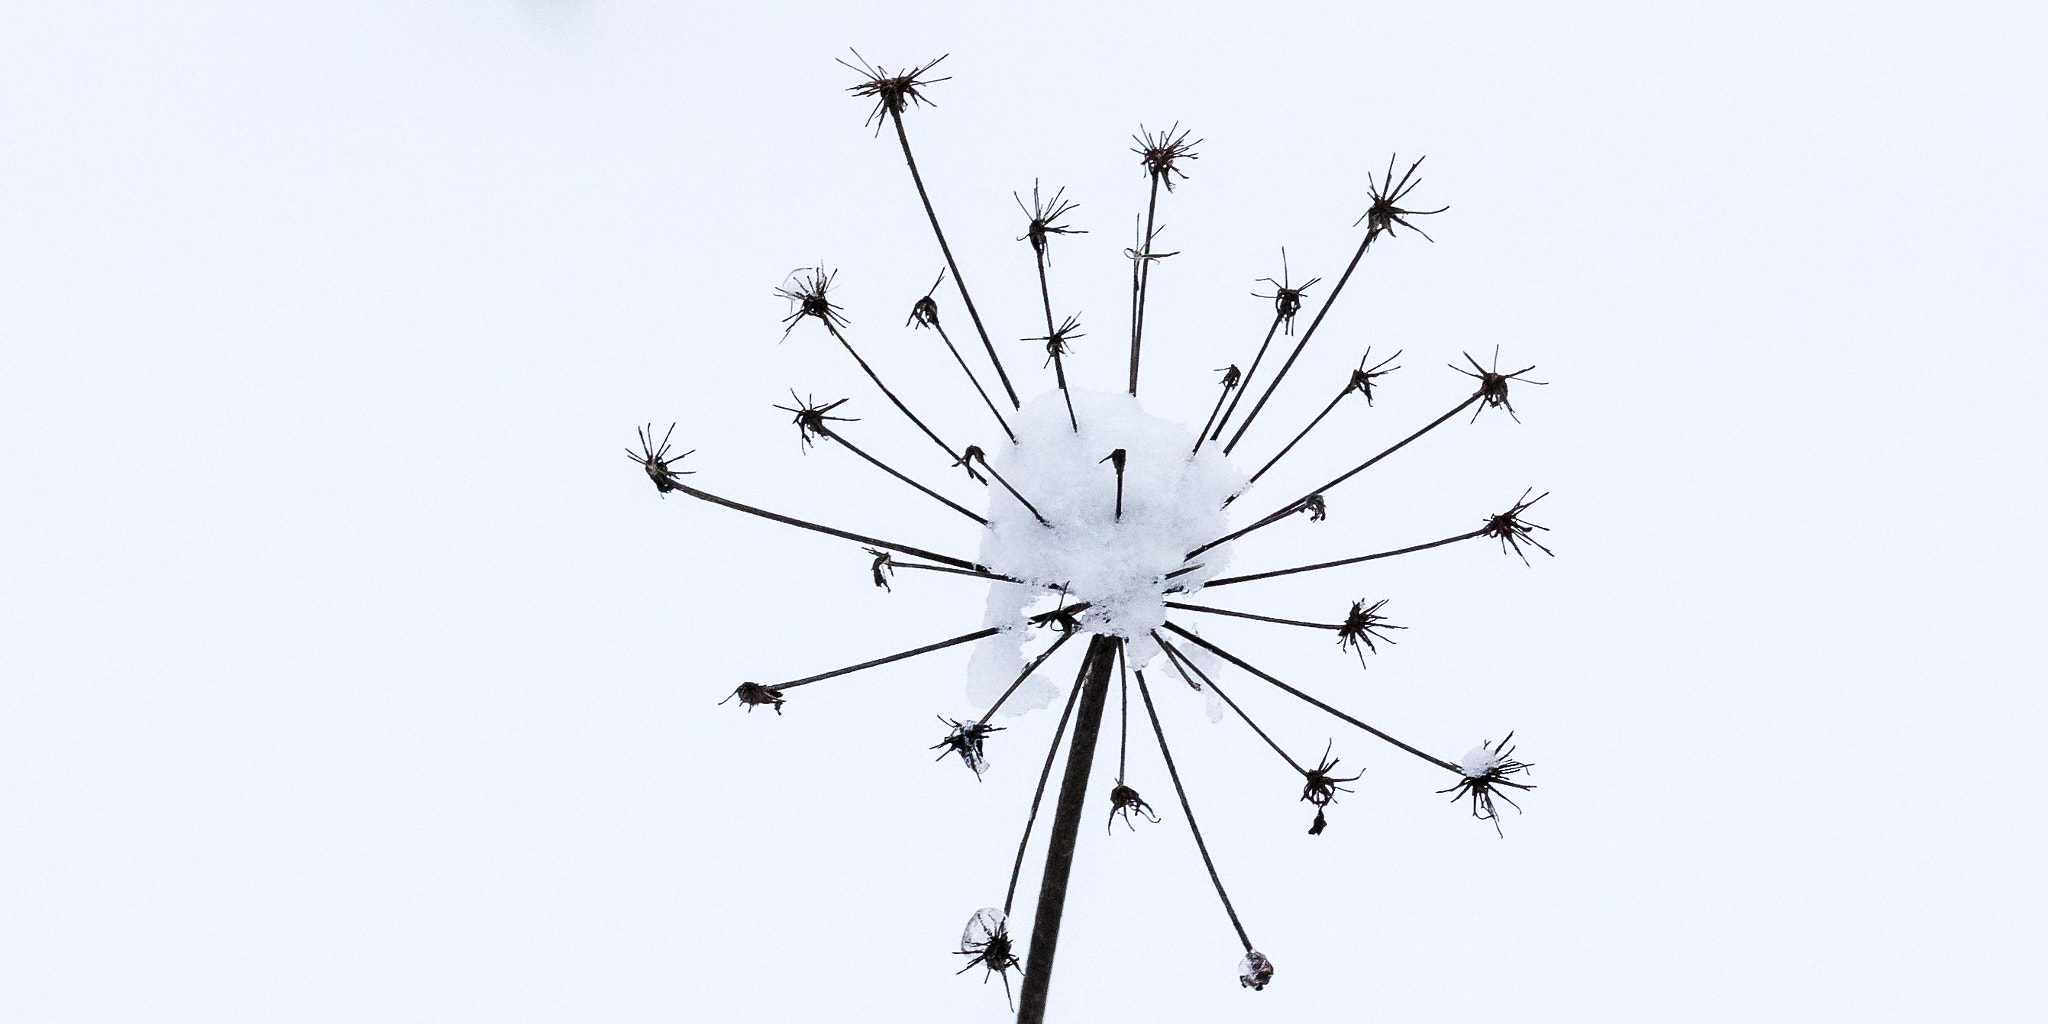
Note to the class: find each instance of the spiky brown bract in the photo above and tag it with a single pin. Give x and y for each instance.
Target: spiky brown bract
(1286, 297)
(656, 460)
(1059, 342)
(1362, 378)
(807, 291)
(1385, 211)
(1362, 626)
(1125, 801)
(1161, 153)
(1493, 384)
(1512, 531)
(966, 740)
(1043, 215)
(994, 951)
(811, 417)
(1483, 782)
(892, 93)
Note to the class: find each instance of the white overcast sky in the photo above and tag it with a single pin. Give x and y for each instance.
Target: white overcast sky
(348, 671)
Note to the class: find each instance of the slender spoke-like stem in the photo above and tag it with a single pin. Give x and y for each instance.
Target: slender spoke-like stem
(959, 563)
(1294, 506)
(896, 115)
(972, 379)
(1230, 383)
(960, 572)
(1304, 433)
(1246, 384)
(1054, 341)
(915, 651)
(1241, 663)
(1249, 615)
(1188, 810)
(900, 407)
(1370, 235)
(1183, 664)
(1026, 674)
(1026, 502)
(1344, 561)
(884, 467)
(1017, 869)
(1066, 828)
(1123, 745)
(1144, 283)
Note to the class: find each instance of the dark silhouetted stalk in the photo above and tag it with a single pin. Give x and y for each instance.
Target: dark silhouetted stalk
(1065, 635)
(926, 649)
(884, 467)
(1249, 374)
(1182, 664)
(829, 531)
(1227, 580)
(1249, 615)
(1241, 663)
(904, 409)
(1116, 460)
(1038, 795)
(925, 313)
(1066, 828)
(1160, 155)
(982, 457)
(1231, 378)
(1187, 809)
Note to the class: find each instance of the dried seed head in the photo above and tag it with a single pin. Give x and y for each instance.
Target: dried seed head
(1362, 626)
(1512, 532)
(884, 567)
(1493, 384)
(1232, 376)
(987, 939)
(751, 694)
(925, 311)
(966, 740)
(1320, 787)
(1161, 154)
(1255, 972)
(1042, 217)
(1362, 378)
(811, 418)
(966, 462)
(1385, 211)
(656, 460)
(1125, 801)
(1486, 769)
(806, 291)
(891, 93)
(1286, 297)
(1059, 342)
(1317, 509)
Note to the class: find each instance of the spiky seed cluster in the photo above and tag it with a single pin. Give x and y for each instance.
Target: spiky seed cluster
(753, 694)
(1512, 531)
(1486, 769)
(1286, 297)
(811, 418)
(1060, 341)
(1232, 376)
(1162, 153)
(1317, 509)
(1362, 378)
(1043, 215)
(892, 93)
(987, 940)
(1319, 786)
(1493, 384)
(1385, 211)
(806, 291)
(966, 740)
(1125, 801)
(657, 461)
(1362, 626)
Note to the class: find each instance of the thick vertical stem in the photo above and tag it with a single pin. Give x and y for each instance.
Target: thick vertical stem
(1066, 828)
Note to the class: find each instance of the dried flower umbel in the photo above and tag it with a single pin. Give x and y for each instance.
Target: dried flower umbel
(1048, 508)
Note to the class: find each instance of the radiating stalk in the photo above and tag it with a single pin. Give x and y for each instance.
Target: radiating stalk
(1144, 283)
(1225, 581)
(960, 563)
(1370, 234)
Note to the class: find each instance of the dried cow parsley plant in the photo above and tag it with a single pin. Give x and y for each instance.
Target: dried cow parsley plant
(1098, 519)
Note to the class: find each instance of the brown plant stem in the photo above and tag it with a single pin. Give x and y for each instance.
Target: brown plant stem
(1181, 791)
(1246, 384)
(900, 407)
(1297, 438)
(1144, 272)
(1026, 674)
(1241, 663)
(978, 389)
(959, 563)
(1249, 615)
(960, 282)
(1038, 796)
(1066, 828)
(884, 467)
(1182, 664)
(1344, 561)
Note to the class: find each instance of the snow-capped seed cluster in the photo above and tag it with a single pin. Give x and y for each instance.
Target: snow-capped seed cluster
(1122, 566)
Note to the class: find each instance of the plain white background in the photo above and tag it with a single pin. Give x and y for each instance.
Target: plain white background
(348, 672)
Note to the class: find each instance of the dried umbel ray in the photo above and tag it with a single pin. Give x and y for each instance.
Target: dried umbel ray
(1133, 496)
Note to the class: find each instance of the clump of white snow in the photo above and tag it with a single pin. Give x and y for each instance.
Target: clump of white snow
(1119, 565)
(1480, 760)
